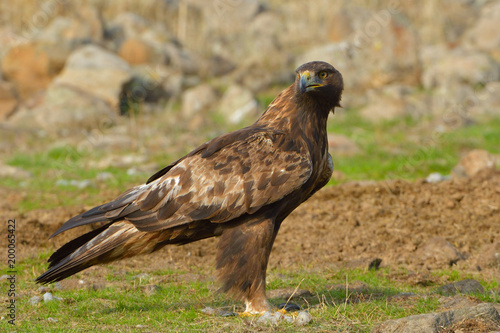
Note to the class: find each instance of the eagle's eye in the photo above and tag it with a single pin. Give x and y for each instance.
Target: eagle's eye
(323, 75)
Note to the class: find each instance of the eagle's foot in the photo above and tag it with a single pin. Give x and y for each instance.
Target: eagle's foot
(256, 307)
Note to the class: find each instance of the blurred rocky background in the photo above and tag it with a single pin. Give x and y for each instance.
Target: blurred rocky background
(155, 75)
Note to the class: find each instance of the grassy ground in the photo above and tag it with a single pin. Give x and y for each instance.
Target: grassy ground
(343, 300)
(406, 149)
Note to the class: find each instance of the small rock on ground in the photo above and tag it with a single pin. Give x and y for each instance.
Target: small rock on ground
(35, 300)
(274, 318)
(303, 318)
(435, 322)
(467, 286)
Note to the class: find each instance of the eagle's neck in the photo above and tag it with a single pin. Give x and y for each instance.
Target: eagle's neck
(300, 117)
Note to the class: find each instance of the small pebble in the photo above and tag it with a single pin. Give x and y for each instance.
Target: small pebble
(274, 318)
(435, 177)
(47, 297)
(35, 300)
(303, 318)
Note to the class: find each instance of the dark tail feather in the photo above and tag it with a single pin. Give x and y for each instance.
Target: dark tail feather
(108, 243)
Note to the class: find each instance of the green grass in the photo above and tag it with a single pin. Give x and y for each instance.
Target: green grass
(122, 304)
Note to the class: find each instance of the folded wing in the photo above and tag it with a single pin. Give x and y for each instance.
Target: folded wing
(223, 179)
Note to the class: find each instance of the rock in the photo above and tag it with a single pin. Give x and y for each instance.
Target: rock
(8, 99)
(238, 103)
(303, 318)
(32, 66)
(63, 109)
(273, 318)
(13, 172)
(234, 15)
(220, 65)
(82, 26)
(48, 297)
(95, 72)
(182, 59)
(197, 100)
(484, 34)
(35, 300)
(438, 252)
(136, 51)
(340, 144)
(435, 322)
(467, 286)
(85, 95)
(460, 66)
(436, 177)
(128, 25)
(473, 162)
(489, 256)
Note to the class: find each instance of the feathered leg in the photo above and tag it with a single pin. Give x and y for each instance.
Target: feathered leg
(242, 257)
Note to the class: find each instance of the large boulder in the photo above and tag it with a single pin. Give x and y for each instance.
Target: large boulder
(95, 72)
(31, 66)
(85, 95)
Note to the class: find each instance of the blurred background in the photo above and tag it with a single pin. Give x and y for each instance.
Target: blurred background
(99, 95)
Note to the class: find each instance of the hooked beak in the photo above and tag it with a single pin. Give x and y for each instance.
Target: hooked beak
(309, 81)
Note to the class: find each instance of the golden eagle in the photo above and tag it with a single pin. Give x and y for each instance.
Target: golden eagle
(239, 186)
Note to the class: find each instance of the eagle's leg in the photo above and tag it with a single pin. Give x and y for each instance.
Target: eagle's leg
(242, 257)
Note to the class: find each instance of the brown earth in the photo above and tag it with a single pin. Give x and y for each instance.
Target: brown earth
(416, 225)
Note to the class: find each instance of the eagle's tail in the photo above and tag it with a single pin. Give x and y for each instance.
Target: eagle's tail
(108, 243)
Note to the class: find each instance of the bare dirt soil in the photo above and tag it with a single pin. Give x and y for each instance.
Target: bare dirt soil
(416, 225)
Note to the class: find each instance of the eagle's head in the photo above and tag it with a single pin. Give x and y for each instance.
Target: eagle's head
(320, 83)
